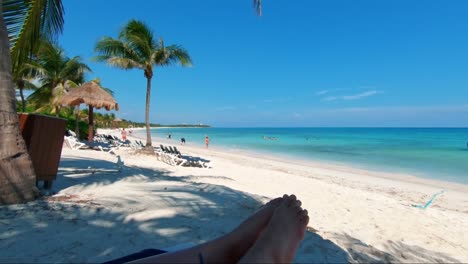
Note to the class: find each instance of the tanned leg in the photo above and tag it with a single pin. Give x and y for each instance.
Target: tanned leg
(226, 249)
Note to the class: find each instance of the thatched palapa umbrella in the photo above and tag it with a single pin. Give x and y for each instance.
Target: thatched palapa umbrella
(94, 96)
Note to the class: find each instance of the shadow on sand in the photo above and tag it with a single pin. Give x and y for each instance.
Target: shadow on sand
(394, 252)
(85, 230)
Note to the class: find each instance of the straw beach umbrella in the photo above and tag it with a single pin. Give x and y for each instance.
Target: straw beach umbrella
(92, 95)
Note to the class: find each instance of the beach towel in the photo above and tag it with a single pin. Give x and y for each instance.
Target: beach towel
(429, 203)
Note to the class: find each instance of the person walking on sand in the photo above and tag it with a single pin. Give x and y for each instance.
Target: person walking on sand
(124, 134)
(182, 141)
(207, 141)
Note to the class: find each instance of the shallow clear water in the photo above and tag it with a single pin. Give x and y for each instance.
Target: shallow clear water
(438, 153)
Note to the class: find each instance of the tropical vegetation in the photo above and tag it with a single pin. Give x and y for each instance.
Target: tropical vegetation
(137, 48)
(22, 24)
(30, 60)
(56, 74)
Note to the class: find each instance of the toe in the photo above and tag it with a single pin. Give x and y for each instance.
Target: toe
(292, 200)
(297, 203)
(303, 212)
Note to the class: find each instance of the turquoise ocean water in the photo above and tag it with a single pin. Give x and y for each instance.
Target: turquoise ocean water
(437, 153)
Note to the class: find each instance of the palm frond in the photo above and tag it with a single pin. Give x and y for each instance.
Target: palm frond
(258, 6)
(112, 50)
(139, 37)
(29, 20)
(124, 63)
(171, 55)
(40, 98)
(74, 69)
(30, 84)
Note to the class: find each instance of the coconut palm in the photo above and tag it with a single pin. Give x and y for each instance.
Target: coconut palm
(58, 75)
(23, 78)
(137, 48)
(22, 23)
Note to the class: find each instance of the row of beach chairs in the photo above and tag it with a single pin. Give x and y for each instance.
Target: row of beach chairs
(171, 155)
(100, 143)
(109, 143)
(134, 144)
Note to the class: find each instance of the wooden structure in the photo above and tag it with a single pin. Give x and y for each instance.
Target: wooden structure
(44, 139)
(92, 95)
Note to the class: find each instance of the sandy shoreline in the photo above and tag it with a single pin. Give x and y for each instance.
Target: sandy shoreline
(398, 177)
(359, 215)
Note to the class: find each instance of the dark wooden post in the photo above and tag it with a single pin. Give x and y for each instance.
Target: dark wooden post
(91, 124)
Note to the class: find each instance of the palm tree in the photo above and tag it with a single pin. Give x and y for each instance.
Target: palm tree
(22, 22)
(59, 74)
(23, 78)
(137, 48)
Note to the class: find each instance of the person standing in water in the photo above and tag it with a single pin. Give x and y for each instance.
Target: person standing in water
(207, 141)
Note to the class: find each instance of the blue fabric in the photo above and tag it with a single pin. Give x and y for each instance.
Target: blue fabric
(139, 255)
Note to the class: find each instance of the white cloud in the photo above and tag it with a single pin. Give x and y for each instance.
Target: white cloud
(322, 92)
(352, 96)
(401, 110)
(360, 95)
(330, 98)
(268, 101)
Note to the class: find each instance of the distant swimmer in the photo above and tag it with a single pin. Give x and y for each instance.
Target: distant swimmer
(207, 141)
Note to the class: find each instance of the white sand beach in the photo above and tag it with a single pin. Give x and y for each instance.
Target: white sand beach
(98, 214)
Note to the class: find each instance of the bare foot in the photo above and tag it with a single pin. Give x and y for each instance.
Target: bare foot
(245, 235)
(279, 241)
(228, 248)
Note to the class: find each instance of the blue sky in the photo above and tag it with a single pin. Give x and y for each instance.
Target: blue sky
(303, 63)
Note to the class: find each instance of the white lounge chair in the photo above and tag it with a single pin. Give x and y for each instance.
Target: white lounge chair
(108, 150)
(73, 143)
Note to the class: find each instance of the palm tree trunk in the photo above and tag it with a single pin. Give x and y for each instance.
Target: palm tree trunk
(148, 132)
(17, 178)
(77, 122)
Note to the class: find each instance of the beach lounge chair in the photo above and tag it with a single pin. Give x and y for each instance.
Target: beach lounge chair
(177, 152)
(70, 133)
(73, 143)
(174, 152)
(107, 149)
(164, 149)
(172, 156)
(167, 155)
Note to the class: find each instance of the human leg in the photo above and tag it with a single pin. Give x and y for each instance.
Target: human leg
(226, 249)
